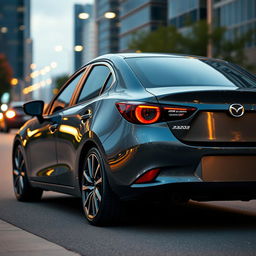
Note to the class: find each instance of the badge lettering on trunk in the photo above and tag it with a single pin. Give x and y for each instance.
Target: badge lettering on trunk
(181, 127)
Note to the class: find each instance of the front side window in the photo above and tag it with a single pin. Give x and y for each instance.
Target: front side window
(64, 98)
(94, 83)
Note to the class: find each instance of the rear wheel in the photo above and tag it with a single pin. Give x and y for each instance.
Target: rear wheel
(101, 206)
(22, 189)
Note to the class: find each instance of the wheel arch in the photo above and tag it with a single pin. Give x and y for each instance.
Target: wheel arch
(87, 145)
(16, 143)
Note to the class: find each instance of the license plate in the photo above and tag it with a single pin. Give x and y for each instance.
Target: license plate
(229, 168)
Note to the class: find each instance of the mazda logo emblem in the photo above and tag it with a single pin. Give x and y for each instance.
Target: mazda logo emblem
(236, 110)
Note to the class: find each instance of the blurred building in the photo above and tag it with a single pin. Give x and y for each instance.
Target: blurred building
(89, 36)
(107, 20)
(140, 16)
(15, 42)
(239, 17)
(84, 35)
(81, 13)
(183, 13)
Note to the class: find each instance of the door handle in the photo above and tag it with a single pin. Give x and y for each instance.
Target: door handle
(85, 117)
(53, 128)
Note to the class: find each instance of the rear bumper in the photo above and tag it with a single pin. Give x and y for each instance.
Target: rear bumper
(149, 147)
(198, 191)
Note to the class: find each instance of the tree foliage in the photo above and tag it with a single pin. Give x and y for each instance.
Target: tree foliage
(194, 41)
(5, 75)
(61, 80)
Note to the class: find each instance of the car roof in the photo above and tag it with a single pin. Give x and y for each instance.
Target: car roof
(170, 55)
(115, 56)
(16, 103)
(140, 55)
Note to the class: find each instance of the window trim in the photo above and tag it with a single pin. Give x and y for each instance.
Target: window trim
(71, 103)
(102, 91)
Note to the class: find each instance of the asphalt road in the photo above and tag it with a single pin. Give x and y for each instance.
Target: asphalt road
(226, 228)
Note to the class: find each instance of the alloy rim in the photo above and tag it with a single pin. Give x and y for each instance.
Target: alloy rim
(92, 186)
(18, 172)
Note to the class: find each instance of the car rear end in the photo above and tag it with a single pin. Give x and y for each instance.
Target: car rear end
(201, 143)
(13, 118)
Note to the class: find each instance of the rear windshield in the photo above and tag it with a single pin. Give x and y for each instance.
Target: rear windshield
(165, 72)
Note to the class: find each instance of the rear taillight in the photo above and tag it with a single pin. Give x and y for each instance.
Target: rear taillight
(149, 114)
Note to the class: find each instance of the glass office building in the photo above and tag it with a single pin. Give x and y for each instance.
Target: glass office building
(238, 16)
(181, 13)
(107, 20)
(15, 33)
(82, 16)
(138, 17)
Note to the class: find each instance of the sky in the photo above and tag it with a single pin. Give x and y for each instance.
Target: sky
(51, 26)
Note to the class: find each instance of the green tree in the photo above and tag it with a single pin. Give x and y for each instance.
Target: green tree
(194, 42)
(61, 80)
(5, 75)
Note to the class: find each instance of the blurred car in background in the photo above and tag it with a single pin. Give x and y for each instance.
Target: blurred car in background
(13, 118)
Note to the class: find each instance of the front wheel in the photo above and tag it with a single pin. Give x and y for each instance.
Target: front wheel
(22, 189)
(101, 206)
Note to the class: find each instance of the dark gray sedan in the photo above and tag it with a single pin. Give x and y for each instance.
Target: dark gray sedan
(133, 126)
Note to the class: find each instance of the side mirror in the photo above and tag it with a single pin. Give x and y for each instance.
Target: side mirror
(34, 108)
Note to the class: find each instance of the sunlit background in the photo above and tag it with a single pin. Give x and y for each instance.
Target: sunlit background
(43, 42)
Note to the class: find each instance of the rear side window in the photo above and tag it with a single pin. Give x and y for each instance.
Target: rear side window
(64, 98)
(109, 82)
(94, 82)
(167, 72)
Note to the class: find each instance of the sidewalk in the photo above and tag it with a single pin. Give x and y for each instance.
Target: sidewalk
(17, 242)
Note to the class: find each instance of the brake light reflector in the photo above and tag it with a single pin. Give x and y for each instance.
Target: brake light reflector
(10, 114)
(148, 176)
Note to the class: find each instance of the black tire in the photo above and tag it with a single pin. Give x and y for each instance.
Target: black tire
(101, 206)
(22, 188)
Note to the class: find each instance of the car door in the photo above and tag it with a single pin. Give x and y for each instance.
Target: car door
(42, 136)
(76, 121)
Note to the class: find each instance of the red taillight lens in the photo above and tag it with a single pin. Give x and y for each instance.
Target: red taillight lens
(148, 176)
(149, 114)
(139, 114)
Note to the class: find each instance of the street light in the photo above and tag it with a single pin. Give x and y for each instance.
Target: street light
(14, 81)
(33, 66)
(78, 48)
(4, 30)
(109, 15)
(4, 107)
(83, 15)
